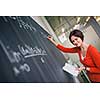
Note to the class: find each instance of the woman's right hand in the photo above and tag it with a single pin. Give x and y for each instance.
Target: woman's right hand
(51, 39)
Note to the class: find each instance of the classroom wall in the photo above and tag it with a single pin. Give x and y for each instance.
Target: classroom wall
(91, 37)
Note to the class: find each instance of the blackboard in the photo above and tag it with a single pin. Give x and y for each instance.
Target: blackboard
(26, 55)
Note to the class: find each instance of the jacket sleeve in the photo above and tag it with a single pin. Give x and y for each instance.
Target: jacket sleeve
(67, 50)
(94, 70)
(95, 56)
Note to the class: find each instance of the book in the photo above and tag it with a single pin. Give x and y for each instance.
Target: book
(71, 69)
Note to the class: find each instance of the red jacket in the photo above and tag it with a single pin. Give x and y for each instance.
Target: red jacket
(92, 60)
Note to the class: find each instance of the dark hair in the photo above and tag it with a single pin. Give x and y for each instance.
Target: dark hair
(76, 33)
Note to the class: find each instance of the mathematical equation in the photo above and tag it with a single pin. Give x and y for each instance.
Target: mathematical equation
(17, 58)
(24, 25)
(21, 23)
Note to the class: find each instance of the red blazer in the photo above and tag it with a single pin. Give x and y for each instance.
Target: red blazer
(92, 60)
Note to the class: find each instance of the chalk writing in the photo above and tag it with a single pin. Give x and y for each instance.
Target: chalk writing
(45, 36)
(22, 53)
(22, 68)
(42, 60)
(25, 67)
(28, 51)
(13, 56)
(5, 19)
(16, 71)
(23, 24)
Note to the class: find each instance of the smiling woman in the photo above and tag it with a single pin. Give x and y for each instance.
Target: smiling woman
(88, 54)
(76, 36)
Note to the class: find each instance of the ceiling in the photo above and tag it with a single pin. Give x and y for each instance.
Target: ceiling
(65, 23)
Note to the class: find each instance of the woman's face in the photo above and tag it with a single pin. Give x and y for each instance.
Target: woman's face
(76, 41)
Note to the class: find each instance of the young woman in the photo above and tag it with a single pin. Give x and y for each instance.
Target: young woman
(88, 54)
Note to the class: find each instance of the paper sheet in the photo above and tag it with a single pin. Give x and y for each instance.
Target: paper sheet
(71, 69)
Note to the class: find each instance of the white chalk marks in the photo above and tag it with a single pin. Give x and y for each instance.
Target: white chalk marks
(19, 56)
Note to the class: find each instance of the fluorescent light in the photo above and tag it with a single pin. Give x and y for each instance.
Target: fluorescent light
(84, 24)
(76, 26)
(78, 19)
(98, 19)
(63, 29)
(87, 19)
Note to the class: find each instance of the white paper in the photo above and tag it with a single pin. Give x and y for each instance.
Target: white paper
(71, 69)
